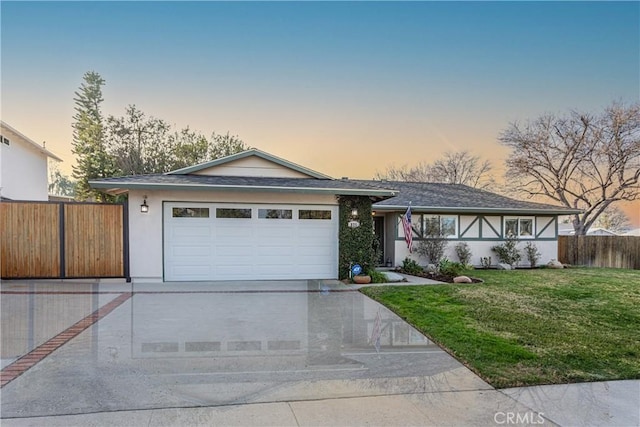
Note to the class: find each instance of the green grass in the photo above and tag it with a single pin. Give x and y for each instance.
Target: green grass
(529, 327)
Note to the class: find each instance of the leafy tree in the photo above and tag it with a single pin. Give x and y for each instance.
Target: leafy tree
(139, 145)
(189, 148)
(59, 183)
(580, 160)
(459, 167)
(144, 145)
(92, 159)
(225, 145)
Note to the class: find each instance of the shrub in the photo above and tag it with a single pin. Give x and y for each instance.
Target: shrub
(508, 252)
(434, 243)
(377, 276)
(464, 252)
(451, 268)
(409, 266)
(532, 253)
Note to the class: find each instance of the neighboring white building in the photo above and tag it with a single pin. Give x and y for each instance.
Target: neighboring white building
(592, 232)
(23, 166)
(634, 232)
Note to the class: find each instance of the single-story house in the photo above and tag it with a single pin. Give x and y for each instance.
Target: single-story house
(253, 215)
(23, 166)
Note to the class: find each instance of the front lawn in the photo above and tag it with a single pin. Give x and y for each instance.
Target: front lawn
(529, 327)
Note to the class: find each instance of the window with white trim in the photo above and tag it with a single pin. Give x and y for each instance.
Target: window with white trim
(521, 227)
(448, 225)
(422, 223)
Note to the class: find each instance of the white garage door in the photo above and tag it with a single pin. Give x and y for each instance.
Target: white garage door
(210, 241)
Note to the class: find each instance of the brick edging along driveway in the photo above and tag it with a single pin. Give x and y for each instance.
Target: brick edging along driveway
(26, 362)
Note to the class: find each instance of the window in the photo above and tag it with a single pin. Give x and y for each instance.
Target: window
(233, 213)
(313, 214)
(190, 212)
(447, 226)
(275, 213)
(424, 225)
(519, 227)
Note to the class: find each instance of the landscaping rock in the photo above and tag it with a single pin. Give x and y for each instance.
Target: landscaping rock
(462, 279)
(554, 264)
(503, 266)
(431, 268)
(393, 277)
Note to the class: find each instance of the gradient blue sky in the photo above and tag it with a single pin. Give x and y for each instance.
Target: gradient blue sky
(345, 88)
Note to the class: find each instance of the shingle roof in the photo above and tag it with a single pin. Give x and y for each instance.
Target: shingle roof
(390, 195)
(240, 183)
(455, 198)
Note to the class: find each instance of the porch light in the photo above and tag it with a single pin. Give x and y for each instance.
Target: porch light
(144, 207)
(354, 213)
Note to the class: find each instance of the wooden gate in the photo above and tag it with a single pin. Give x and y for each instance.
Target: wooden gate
(63, 240)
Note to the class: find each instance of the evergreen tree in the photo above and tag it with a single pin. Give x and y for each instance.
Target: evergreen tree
(92, 159)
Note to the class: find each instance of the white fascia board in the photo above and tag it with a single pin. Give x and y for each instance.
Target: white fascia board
(511, 211)
(113, 186)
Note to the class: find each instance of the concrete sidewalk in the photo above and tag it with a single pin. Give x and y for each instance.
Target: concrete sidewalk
(612, 403)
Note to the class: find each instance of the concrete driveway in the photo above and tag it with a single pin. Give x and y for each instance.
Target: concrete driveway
(262, 353)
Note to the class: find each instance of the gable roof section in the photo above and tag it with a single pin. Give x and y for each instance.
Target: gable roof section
(15, 135)
(120, 185)
(245, 154)
(457, 198)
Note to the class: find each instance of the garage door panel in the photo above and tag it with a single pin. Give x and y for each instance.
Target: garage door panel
(191, 272)
(191, 251)
(234, 271)
(315, 251)
(268, 231)
(233, 231)
(314, 233)
(274, 251)
(250, 248)
(187, 233)
(232, 251)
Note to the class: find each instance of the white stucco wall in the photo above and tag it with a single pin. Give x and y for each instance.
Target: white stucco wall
(479, 249)
(145, 230)
(23, 172)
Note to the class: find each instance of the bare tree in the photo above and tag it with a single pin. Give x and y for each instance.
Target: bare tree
(581, 161)
(455, 167)
(613, 219)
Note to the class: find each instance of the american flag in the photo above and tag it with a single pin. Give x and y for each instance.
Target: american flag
(406, 225)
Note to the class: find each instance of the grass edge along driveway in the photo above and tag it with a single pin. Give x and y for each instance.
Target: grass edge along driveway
(531, 327)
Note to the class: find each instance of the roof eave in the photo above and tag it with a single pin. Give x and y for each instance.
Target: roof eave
(515, 211)
(121, 187)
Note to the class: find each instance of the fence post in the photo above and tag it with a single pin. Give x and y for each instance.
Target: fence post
(62, 231)
(125, 239)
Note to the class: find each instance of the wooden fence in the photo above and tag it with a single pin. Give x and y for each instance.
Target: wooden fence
(600, 251)
(62, 240)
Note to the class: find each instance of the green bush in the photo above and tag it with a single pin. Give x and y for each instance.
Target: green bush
(409, 266)
(451, 268)
(377, 276)
(532, 253)
(508, 251)
(464, 252)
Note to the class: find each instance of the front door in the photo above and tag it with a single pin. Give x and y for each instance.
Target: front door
(378, 230)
